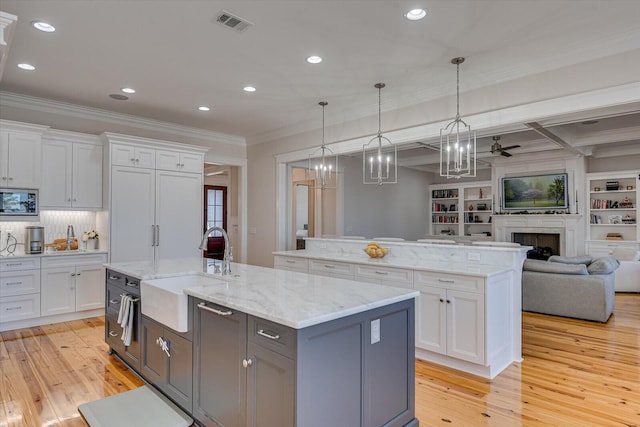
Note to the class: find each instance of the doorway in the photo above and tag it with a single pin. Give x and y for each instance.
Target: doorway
(303, 212)
(215, 214)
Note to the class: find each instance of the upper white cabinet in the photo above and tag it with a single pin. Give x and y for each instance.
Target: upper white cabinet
(131, 155)
(155, 211)
(178, 161)
(20, 154)
(71, 171)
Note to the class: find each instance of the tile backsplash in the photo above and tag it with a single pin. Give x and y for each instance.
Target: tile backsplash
(55, 225)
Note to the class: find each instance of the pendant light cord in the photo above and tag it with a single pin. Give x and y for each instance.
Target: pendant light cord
(458, 91)
(379, 111)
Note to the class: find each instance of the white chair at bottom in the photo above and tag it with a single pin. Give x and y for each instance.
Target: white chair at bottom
(441, 241)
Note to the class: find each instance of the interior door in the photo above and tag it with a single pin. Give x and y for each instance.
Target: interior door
(215, 214)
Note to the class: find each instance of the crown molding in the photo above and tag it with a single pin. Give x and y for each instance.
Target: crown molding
(15, 100)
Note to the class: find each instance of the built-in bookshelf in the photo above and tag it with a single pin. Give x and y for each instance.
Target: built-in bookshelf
(462, 209)
(612, 210)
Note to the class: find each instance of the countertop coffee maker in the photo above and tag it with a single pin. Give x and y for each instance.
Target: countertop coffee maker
(35, 240)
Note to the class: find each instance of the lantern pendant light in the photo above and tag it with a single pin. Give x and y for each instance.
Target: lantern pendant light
(379, 155)
(457, 141)
(323, 163)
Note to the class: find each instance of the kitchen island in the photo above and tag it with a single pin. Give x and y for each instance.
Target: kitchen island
(277, 348)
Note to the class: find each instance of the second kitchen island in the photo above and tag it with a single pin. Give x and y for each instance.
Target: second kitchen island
(263, 347)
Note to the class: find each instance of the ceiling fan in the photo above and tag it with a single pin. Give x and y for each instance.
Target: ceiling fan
(497, 148)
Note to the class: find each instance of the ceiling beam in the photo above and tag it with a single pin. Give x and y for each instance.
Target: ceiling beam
(537, 127)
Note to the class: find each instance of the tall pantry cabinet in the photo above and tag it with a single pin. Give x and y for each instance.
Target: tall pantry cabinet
(156, 198)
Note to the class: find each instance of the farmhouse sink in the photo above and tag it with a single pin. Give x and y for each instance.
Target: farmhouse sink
(164, 300)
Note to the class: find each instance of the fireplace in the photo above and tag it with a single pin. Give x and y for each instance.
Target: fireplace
(544, 244)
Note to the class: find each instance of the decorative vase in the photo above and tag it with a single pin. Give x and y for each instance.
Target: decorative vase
(92, 244)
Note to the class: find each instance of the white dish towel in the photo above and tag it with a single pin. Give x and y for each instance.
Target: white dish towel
(125, 318)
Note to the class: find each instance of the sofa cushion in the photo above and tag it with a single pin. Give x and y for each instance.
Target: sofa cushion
(554, 267)
(585, 259)
(604, 265)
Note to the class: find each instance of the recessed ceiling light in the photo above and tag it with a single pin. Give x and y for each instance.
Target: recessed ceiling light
(27, 67)
(118, 97)
(415, 14)
(314, 59)
(43, 26)
(249, 89)
(204, 108)
(128, 90)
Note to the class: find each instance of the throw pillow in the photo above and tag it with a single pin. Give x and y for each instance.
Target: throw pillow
(585, 259)
(554, 267)
(604, 265)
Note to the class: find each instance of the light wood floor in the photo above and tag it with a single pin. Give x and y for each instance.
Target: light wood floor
(575, 373)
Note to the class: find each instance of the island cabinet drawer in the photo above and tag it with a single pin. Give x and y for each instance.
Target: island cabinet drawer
(19, 283)
(276, 337)
(448, 281)
(291, 263)
(114, 297)
(340, 270)
(19, 307)
(19, 264)
(385, 275)
(130, 284)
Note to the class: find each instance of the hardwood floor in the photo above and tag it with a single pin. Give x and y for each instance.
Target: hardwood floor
(575, 373)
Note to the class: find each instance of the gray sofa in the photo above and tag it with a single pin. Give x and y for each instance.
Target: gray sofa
(577, 287)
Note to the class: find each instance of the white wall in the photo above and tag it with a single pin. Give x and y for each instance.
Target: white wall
(393, 210)
(606, 164)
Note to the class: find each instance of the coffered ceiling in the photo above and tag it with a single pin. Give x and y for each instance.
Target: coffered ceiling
(177, 58)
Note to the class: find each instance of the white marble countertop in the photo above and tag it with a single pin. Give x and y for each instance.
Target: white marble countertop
(297, 300)
(438, 266)
(21, 254)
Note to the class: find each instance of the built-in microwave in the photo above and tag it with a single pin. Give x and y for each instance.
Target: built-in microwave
(16, 202)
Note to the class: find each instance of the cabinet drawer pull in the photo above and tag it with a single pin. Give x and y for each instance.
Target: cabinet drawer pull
(448, 301)
(130, 284)
(262, 333)
(441, 300)
(113, 334)
(446, 280)
(290, 261)
(18, 307)
(13, 283)
(111, 277)
(329, 266)
(114, 301)
(203, 306)
(383, 273)
(15, 264)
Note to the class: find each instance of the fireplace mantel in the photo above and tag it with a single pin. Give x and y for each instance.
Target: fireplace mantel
(569, 226)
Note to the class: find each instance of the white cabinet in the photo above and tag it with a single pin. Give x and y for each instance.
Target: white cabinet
(462, 209)
(398, 277)
(19, 289)
(20, 159)
(451, 321)
(177, 161)
(340, 270)
(154, 213)
(132, 155)
(613, 211)
(72, 283)
(300, 265)
(72, 172)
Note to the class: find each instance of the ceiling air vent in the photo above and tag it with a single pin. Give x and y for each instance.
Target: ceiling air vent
(232, 21)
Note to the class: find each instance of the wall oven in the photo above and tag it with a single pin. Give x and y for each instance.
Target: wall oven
(18, 203)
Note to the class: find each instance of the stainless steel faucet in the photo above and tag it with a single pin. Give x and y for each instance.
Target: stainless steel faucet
(70, 235)
(228, 255)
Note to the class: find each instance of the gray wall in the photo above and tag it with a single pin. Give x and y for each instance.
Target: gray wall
(394, 210)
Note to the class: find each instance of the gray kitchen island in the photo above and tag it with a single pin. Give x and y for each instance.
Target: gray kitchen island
(265, 347)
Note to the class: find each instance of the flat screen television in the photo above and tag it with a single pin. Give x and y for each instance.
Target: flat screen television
(548, 192)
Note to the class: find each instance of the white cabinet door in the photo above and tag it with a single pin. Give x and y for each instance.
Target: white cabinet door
(168, 160)
(129, 155)
(56, 173)
(4, 162)
(24, 160)
(90, 287)
(133, 214)
(431, 324)
(87, 176)
(465, 326)
(178, 206)
(57, 293)
(193, 163)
